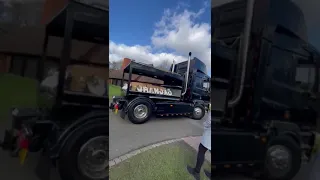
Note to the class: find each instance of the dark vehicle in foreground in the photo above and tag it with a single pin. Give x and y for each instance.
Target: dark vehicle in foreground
(265, 89)
(70, 128)
(185, 91)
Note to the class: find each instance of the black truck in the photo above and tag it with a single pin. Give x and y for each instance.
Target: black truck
(183, 91)
(265, 88)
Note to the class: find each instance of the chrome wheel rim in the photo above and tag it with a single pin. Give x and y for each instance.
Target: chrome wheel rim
(93, 160)
(198, 111)
(279, 160)
(140, 111)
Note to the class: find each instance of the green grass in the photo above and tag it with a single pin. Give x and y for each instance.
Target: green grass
(164, 162)
(16, 91)
(114, 91)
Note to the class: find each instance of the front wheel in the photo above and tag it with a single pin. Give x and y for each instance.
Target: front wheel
(198, 112)
(283, 158)
(86, 155)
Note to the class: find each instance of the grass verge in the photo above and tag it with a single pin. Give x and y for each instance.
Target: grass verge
(114, 91)
(164, 162)
(16, 91)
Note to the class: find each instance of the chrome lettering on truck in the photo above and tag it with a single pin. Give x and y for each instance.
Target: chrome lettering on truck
(153, 90)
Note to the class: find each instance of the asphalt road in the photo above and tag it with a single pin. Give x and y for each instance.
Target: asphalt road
(302, 175)
(10, 167)
(125, 136)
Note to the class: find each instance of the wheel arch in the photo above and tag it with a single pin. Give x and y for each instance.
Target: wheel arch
(141, 99)
(296, 137)
(91, 118)
(288, 129)
(200, 102)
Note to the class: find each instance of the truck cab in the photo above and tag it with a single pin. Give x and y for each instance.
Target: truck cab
(265, 84)
(199, 81)
(280, 72)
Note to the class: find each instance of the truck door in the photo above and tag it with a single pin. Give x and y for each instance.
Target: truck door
(201, 88)
(307, 77)
(307, 80)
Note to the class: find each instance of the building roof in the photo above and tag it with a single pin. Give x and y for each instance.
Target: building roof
(29, 40)
(117, 74)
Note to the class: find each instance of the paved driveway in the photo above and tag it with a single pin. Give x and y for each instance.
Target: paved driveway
(125, 136)
(302, 175)
(10, 169)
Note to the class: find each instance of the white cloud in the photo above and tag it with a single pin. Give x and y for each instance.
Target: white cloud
(177, 32)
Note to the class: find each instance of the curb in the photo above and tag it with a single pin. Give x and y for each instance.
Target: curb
(140, 150)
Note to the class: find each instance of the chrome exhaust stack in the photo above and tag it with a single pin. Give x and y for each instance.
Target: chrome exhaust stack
(187, 75)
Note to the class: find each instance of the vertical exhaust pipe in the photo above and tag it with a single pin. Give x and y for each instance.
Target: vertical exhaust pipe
(187, 75)
(244, 51)
(172, 70)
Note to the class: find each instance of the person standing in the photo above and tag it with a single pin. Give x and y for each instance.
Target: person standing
(315, 159)
(204, 145)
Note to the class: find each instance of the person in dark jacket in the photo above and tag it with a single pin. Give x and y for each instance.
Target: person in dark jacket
(204, 146)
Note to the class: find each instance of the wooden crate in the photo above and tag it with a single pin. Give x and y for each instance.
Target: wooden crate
(80, 73)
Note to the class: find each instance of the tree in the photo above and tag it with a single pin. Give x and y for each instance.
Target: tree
(115, 65)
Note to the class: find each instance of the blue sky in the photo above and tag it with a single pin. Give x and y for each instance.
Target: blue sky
(158, 31)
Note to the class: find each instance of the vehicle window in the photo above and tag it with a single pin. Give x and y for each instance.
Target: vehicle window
(199, 82)
(202, 83)
(282, 64)
(206, 85)
(305, 77)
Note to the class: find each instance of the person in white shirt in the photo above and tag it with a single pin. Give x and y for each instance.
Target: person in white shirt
(203, 147)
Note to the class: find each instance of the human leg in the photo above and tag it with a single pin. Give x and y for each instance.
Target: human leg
(200, 160)
(200, 157)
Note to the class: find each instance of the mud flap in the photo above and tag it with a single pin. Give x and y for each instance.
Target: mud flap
(122, 114)
(9, 140)
(43, 168)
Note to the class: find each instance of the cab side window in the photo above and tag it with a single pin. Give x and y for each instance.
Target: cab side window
(199, 82)
(305, 77)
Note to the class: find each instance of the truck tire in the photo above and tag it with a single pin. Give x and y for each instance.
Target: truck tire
(75, 158)
(198, 112)
(139, 112)
(290, 151)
